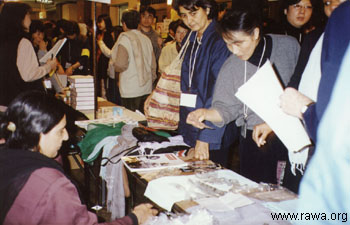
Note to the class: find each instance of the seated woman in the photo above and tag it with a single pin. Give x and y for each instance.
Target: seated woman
(241, 30)
(33, 186)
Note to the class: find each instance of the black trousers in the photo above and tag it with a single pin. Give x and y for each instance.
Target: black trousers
(231, 135)
(134, 103)
(260, 164)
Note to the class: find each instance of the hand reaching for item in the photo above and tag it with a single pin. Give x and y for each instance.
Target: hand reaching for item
(196, 118)
(143, 212)
(260, 133)
(201, 150)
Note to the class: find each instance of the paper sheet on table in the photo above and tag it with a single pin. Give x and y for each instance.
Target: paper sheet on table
(53, 51)
(261, 94)
(227, 202)
(165, 191)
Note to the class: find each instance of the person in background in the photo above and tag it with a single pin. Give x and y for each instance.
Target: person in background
(75, 53)
(132, 56)
(296, 18)
(146, 21)
(35, 190)
(241, 30)
(172, 49)
(172, 31)
(222, 10)
(310, 41)
(106, 85)
(20, 70)
(36, 31)
(202, 61)
(59, 30)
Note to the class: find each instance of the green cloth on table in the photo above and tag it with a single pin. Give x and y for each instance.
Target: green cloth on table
(94, 136)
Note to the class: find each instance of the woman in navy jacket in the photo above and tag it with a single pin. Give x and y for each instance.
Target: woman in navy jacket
(202, 61)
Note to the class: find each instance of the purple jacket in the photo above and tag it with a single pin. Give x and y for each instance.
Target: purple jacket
(50, 198)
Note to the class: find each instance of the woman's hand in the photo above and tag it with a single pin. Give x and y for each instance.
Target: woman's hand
(100, 37)
(201, 150)
(69, 71)
(260, 133)
(143, 212)
(292, 102)
(52, 63)
(195, 118)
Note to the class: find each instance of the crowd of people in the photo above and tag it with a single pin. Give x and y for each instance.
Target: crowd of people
(223, 53)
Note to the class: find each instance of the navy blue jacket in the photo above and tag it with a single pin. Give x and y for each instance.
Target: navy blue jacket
(335, 42)
(211, 55)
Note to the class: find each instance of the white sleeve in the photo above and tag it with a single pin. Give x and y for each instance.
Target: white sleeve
(27, 62)
(104, 49)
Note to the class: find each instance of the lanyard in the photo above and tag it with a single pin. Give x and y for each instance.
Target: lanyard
(191, 67)
(245, 108)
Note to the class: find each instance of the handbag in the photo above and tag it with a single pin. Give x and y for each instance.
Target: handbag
(163, 105)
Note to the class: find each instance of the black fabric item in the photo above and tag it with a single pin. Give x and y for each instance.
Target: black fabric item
(259, 164)
(169, 149)
(16, 166)
(255, 58)
(11, 82)
(309, 43)
(143, 135)
(71, 53)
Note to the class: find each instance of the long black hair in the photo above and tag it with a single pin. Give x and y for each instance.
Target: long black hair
(27, 116)
(11, 21)
(108, 22)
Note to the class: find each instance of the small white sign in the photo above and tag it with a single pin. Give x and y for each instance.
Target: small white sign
(102, 1)
(188, 100)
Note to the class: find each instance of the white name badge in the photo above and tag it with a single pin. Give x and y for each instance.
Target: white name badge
(188, 100)
(47, 84)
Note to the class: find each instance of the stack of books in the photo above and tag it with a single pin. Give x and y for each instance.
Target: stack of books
(82, 92)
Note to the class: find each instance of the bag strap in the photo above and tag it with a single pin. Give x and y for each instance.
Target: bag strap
(181, 55)
(184, 47)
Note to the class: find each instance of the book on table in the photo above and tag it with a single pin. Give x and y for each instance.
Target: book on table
(81, 79)
(82, 98)
(78, 103)
(82, 94)
(143, 163)
(82, 89)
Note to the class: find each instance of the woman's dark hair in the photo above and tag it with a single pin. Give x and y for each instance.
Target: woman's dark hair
(131, 18)
(180, 23)
(35, 26)
(60, 24)
(107, 20)
(72, 28)
(193, 5)
(28, 115)
(239, 19)
(11, 20)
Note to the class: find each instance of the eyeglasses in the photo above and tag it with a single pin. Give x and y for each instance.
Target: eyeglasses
(299, 7)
